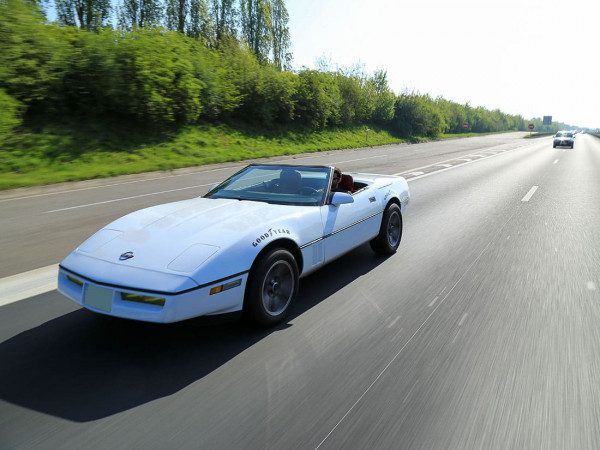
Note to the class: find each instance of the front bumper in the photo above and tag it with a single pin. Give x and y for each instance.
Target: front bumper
(185, 305)
(563, 143)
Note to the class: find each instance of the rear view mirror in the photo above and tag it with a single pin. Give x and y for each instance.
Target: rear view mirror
(341, 198)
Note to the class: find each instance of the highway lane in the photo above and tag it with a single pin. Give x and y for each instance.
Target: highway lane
(39, 226)
(480, 332)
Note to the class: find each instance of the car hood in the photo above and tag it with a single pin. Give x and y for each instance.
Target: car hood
(179, 237)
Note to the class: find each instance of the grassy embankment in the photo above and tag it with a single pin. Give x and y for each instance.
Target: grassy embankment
(55, 154)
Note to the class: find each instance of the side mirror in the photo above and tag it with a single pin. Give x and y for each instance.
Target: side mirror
(341, 198)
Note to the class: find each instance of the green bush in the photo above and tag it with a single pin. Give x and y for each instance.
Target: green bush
(29, 53)
(9, 114)
(276, 96)
(417, 115)
(318, 99)
(156, 80)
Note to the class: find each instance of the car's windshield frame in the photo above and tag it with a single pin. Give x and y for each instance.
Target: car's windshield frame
(321, 202)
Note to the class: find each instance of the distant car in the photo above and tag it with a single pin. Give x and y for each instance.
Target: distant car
(241, 247)
(564, 139)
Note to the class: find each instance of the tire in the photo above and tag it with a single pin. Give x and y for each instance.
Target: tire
(553, 145)
(390, 231)
(272, 287)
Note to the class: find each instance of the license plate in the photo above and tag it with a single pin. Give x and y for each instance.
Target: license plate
(98, 297)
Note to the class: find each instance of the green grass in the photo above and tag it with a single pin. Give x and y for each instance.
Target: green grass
(86, 150)
(67, 153)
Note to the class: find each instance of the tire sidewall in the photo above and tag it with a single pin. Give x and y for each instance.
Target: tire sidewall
(253, 305)
(389, 212)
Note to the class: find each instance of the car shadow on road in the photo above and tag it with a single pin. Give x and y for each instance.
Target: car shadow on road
(84, 367)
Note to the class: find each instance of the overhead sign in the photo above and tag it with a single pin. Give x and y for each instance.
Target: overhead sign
(531, 126)
(547, 120)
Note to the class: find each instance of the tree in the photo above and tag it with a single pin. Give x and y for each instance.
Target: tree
(256, 26)
(224, 15)
(86, 14)
(139, 14)
(200, 23)
(176, 14)
(280, 35)
(385, 99)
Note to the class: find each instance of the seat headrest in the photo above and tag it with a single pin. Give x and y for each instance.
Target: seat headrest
(290, 176)
(347, 183)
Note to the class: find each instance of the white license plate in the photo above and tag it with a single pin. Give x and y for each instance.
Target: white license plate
(98, 297)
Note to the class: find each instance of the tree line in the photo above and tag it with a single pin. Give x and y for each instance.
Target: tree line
(262, 24)
(163, 77)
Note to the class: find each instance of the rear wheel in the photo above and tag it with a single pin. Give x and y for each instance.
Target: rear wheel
(390, 231)
(272, 287)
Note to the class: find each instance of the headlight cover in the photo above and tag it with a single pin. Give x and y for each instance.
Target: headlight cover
(192, 258)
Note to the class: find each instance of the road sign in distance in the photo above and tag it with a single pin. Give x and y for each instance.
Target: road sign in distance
(547, 120)
(531, 126)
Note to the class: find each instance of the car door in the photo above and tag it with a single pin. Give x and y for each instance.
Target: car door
(348, 226)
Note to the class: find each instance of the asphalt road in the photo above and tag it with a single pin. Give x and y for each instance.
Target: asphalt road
(482, 331)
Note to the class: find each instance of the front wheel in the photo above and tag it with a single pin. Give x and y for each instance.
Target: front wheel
(390, 231)
(272, 287)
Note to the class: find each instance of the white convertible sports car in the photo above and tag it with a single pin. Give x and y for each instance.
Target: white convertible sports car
(241, 247)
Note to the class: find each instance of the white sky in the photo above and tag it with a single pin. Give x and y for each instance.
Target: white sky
(529, 57)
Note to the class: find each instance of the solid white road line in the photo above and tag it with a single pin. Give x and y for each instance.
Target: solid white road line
(415, 174)
(530, 194)
(199, 172)
(174, 190)
(127, 198)
(28, 284)
(359, 159)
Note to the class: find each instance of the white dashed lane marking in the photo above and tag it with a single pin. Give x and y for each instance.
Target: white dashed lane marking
(393, 322)
(555, 161)
(530, 194)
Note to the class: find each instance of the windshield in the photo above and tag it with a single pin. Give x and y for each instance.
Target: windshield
(564, 134)
(285, 185)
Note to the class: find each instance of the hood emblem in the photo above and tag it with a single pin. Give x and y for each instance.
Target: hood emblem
(125, 256)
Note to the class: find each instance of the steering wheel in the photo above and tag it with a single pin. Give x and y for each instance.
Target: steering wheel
(307, 190)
